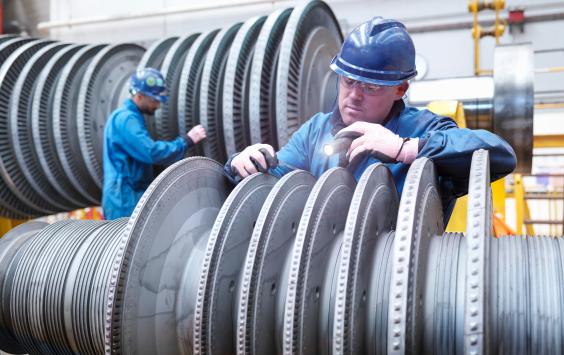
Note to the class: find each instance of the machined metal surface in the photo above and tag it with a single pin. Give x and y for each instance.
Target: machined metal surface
(308, 315)
(216, 301)
(513, 100)
(156, 53)
(236, 86)
(363, 282)
(272, 268)
(166, 122)
(143, 319)
(41, 127)
(419, 220)
(65, 131)
(105, 85)
(189, 85)
(262, 104)
(261, 294)
(10, 197)
(10, 244)
(304, 86)
(211, 90)
(30, 181)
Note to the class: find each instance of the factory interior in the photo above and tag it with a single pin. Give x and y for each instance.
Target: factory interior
(281, 177)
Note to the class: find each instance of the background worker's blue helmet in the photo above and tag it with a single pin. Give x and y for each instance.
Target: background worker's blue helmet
(379, 51)
(149, 82)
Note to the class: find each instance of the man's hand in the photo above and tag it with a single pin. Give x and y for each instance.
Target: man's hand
(197, 133)
(252, 160)
(381, 143)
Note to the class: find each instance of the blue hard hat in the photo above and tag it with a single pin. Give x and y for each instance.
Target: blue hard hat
(148, 82)
(379, 51)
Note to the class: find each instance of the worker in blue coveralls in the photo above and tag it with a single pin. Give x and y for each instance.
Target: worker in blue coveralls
(374, 65)
(129, 150)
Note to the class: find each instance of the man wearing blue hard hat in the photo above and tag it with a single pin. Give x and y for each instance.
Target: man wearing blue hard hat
(374, 65)
(129, 150)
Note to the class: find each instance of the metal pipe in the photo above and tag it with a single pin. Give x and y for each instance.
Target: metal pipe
(154, 13)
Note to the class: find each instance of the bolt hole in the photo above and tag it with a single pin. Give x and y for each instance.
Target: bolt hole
(232, 286)
(363, 296)
(254, 224)
(334, 229)
(293, 227)
(273, 289)
(317, 293)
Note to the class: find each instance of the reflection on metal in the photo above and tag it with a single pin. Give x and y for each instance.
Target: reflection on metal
(288, 266)
(502, 104)
(513, 100)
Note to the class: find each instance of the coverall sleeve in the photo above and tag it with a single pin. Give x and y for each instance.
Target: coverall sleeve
(451, 150)
(296, 152)
(139, 144)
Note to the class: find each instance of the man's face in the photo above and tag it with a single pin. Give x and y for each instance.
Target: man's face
(366, 102)
(147, 105)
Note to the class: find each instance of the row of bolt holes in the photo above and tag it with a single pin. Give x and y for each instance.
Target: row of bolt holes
(273, 286)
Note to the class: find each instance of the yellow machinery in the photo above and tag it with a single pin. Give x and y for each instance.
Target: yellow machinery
(457, 223)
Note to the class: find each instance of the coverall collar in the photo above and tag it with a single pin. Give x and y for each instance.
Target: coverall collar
(338, 124)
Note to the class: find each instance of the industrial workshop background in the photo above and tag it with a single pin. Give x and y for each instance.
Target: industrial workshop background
(266, 267)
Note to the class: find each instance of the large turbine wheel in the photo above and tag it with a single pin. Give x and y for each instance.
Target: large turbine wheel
(311, 38)
(264, 275)
(262, 104)
(363, 281)
(65, 130)
(166, 122)
(154, 314)
(41, 127)
(211, 93)
(104, 87)
(28, 177)
(11, 198)
(189, 86)
(236, 86)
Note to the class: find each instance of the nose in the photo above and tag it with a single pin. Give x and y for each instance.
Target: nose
(356, 93)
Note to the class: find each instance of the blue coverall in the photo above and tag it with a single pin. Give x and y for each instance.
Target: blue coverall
(440, 139)
(129, 155)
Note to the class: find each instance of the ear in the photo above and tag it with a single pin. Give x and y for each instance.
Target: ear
(401, 90)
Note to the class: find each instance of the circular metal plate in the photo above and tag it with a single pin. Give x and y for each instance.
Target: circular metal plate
(236, 86)
(166, 122)
(9, 72)
(263, 281)
(10, 243)
(478, 234)
(311, 39)
(17, 283)
(223, 259)
(513, 100)
(155, 54)
(65, 127)
(42, 122)
(367, 237)
(420, 218)
(10, 45)
(189, 86)
(262, 110)
(211, 89)
(311, 288)
(144, 304)
(105, 85)
(30, 182)
(78, 291)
